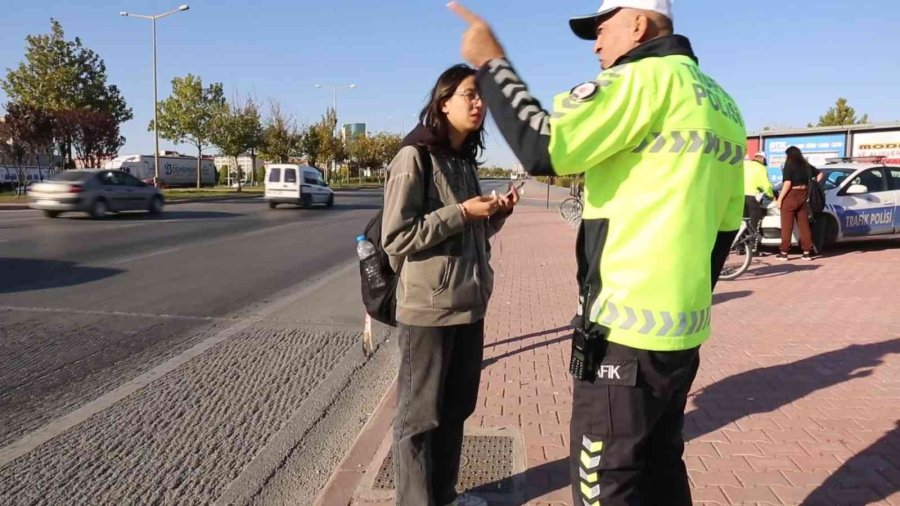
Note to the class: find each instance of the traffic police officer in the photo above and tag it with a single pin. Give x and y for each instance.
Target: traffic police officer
(756, 181)
(661, 145)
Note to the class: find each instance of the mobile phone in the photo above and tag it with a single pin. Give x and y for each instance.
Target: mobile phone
(517, 187)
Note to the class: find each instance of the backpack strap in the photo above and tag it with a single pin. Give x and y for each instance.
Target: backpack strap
(427, 168)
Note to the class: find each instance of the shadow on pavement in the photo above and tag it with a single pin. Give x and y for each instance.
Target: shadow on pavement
(22, 274)
(870, 476)
(719, 298)
(774, 270)
(529, 336)
(769, 388)
(537, 482)
(493, 360)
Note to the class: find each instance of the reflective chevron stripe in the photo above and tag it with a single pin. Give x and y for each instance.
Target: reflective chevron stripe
(591, 446)
(588, 503)
(589, 478)
(648, 322)
(692, 141)
(590, 492)
(588, 462)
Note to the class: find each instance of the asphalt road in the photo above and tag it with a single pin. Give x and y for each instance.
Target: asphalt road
(210, 354)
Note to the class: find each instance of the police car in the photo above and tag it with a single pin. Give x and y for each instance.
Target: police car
(862, 200)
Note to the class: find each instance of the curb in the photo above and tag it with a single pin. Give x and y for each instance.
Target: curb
(346, 478)
(22, 207)
(211, 199)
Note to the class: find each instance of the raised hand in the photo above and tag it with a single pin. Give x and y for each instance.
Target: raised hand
(479, 45)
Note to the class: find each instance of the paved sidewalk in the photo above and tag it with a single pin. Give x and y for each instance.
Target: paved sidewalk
(790, 405)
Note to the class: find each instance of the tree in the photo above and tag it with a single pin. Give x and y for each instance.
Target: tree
(186, 117)
(311, 144)
(281, 138)
(235, 131)
(330, 148)
(24, 130)
(95, 135)
(841, 114)
(61, 75)
(255, 139)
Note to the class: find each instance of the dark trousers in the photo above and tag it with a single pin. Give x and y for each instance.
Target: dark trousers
(793, 208)
(437, 389)
(753, 210)
(626, 438)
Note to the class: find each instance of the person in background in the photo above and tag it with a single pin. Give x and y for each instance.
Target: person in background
(756, 181)
(796, 174)
(437, 226)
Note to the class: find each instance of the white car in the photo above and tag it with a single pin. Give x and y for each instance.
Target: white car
(296, 184)
(862, 200)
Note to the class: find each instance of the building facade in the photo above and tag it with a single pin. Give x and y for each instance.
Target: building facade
(244, 162)
(351, 130)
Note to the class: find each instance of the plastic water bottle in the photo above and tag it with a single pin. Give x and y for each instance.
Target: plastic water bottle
(370, 265)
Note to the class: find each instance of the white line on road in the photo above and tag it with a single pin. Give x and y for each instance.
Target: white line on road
(145, 255)
(40, 436)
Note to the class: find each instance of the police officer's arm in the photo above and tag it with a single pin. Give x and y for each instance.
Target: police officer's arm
(604, 117)
(763, 182)
(728, 228)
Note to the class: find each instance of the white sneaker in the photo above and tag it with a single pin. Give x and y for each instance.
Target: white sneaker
(468, 500)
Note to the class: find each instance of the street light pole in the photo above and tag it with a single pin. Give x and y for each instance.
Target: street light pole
(153, 19)
(334, 108)
(155, 112)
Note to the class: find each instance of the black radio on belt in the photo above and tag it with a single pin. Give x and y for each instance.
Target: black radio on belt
(587, 353)
(587, 346)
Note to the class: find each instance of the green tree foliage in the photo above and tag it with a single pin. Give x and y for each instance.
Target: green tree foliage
(373, 152)
(236, 131)
(841, 114)
(61, 76)
(186, 117)
(281, 139)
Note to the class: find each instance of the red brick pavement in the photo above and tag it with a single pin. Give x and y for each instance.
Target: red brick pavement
(798, 394)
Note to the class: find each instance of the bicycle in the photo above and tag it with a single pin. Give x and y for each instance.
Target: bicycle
(742, 251)
(571, 208)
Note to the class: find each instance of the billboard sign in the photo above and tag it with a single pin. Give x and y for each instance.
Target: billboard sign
(885, 144)
(816, 149)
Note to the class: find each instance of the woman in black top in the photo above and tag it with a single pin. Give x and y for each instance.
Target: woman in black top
(796, 174)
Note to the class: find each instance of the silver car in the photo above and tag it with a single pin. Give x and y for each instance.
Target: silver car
(96, 192)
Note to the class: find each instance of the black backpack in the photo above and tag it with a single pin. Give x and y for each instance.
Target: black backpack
(381, 302)
(815, 195)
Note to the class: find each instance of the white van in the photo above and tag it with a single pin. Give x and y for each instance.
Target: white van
(296, 184)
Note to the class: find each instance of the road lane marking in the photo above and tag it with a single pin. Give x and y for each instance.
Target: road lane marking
(145, 255)
(36, 438)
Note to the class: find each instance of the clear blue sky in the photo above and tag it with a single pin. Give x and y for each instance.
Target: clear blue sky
(785, 62)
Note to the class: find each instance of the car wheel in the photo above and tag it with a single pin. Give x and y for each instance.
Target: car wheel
(273, 205)
(98, 209)
(156, 205)
(51, 214)
(330, 202)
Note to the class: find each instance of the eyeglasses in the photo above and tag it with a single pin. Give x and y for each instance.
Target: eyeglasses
(471, 95)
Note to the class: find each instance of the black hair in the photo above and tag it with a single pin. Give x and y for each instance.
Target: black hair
(433, 118)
